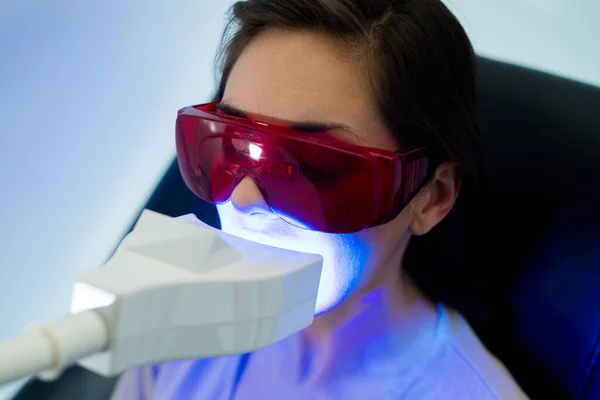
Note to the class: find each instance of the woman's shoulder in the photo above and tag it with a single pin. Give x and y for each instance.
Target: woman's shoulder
(460, 366)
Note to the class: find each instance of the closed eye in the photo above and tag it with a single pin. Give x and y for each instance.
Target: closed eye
(302, 126)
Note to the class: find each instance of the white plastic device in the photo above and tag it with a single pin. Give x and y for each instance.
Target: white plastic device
(176, 288)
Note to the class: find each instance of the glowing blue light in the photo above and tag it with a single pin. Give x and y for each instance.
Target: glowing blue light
(273, 231)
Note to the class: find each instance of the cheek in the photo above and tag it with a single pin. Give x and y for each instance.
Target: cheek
(386, 238)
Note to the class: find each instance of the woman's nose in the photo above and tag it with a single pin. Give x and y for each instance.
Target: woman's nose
(247, 198)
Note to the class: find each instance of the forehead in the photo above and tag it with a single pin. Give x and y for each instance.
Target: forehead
(300, 76)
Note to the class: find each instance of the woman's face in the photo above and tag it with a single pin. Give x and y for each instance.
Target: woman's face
(299, 77)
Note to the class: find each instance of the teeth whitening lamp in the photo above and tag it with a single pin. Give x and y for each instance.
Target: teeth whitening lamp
(175, 288)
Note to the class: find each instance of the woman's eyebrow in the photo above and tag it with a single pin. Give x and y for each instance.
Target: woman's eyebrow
(304, 126)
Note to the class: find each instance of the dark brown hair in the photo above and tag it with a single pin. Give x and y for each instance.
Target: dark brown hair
(419, 63)
(419, 66)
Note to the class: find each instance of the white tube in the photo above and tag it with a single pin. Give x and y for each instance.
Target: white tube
(24, 356)
(51, 348)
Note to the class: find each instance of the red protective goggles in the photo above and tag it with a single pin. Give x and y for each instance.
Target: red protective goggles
(313, 181)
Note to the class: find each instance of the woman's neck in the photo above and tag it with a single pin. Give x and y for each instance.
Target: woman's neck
(378, 320)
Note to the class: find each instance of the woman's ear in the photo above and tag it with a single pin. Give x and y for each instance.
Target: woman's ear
(436, 199)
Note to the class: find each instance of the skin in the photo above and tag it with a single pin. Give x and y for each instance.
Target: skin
(364, 297)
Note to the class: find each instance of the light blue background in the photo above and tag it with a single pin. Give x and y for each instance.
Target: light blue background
(88, 97)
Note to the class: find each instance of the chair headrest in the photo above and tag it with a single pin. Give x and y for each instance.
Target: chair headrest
(539, 220)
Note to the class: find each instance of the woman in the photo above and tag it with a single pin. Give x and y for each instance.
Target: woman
(382, 74)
